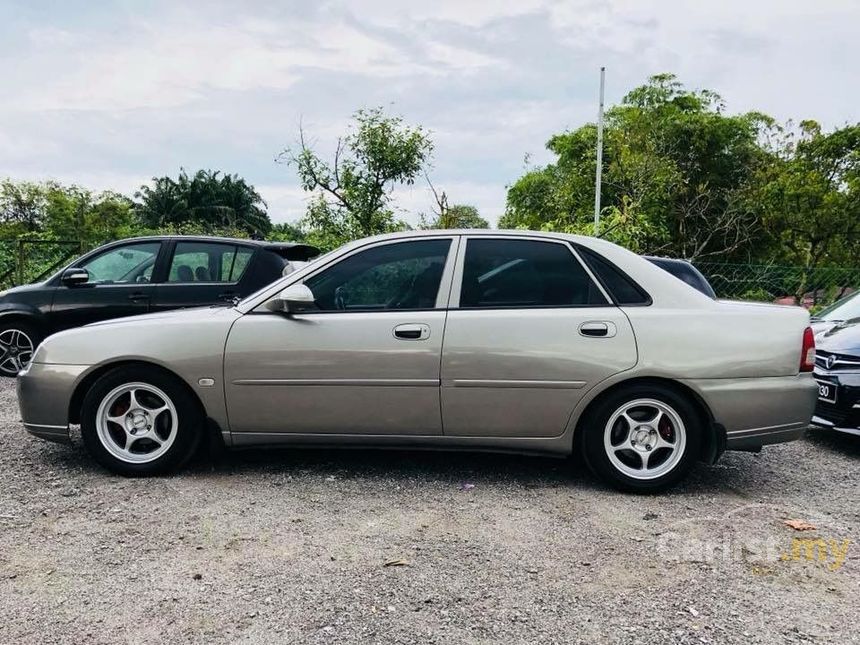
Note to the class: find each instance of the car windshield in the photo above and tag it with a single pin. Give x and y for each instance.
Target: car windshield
(845, 309)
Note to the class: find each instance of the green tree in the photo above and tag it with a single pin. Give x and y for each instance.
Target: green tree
(675, 171)
(208, 198)
(287, 232)
(52, 211)
(448, 217)
(352, 193)
(75, 213)
(808, 198)
(22, 207)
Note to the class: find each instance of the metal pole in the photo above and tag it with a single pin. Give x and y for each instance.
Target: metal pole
(20, 262)
(599, 171)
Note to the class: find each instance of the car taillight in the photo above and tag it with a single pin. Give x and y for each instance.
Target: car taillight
(807, 354)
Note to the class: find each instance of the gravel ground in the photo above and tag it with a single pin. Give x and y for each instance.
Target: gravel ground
(292, 546)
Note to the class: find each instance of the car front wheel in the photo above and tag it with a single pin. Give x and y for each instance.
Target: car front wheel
(643, 438)
(18, 341)
(140, 420)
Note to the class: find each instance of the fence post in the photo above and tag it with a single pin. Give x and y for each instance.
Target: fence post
(20, 262)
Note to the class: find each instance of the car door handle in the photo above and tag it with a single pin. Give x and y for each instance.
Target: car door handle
(597, 329)
(412, 331)
(138, 297)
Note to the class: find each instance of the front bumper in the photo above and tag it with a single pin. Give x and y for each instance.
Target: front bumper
(844, 414)
(759, 411)
(44, 394)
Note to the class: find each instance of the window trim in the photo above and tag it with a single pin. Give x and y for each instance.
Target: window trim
(457, 283)
(442, 293)
(171, 255)
(648, 299)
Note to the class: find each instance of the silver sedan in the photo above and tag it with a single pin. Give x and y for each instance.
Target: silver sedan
(478, 340)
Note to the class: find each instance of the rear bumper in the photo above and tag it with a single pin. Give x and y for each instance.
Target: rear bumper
(44, 394)
(759, 411)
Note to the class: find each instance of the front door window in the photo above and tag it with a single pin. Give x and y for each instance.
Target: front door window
(127, 264)
(399, 276)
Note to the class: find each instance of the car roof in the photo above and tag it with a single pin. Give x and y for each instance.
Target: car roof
(663, 287)
(287, 250)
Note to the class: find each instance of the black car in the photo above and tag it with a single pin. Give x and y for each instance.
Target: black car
(686, 272)
(846, 310)
(837, 370)
(136, 276)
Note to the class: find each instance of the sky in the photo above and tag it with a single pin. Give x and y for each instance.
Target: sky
(109, 94)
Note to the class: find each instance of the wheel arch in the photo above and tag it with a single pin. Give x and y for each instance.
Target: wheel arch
(714, 441)
(77, 400)
(34, 318)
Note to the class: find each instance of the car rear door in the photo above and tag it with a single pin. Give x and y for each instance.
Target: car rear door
(120, 284)
(202, 273)
(528, 332)
(365, 362)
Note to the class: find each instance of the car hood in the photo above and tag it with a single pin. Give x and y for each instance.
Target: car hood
(189, 314)
(24, 288)
(840, 338)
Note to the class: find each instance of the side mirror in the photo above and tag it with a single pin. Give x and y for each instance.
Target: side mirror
(74, 277)
(294, 299)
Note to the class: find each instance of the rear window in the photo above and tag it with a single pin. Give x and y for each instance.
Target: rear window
(685, 272)
(622, 289)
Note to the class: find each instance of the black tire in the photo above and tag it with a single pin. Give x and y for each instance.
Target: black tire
(594, 432)
(25, 330)
(189, 421)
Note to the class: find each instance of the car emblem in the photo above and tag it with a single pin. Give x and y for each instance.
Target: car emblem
(830, 361)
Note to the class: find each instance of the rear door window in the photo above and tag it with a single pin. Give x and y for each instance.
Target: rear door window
(202, 262)
(502, 273)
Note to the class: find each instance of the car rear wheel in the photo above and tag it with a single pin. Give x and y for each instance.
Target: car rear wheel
(643, 438)
(139, 421)
(18, 341)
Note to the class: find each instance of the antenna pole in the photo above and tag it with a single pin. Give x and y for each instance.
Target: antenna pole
(599, 171)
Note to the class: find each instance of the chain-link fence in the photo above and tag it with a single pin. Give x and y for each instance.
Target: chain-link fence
(25, 261)
(787, 284)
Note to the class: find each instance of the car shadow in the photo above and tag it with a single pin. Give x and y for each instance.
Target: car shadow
(738, 473)
(834, 441)
(458, 468)
(461, 467)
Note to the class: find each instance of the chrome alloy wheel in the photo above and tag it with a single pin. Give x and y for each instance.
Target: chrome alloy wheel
(137, 423)
(16, 351)
(644, 438)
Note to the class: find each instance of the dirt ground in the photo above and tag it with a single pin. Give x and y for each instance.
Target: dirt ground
(292, 547)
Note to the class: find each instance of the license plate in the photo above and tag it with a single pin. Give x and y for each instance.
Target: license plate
(826, 392)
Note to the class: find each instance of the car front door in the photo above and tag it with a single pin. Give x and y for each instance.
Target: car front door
(528, 332)
(202, 273)
(364, 361)
(119, 285)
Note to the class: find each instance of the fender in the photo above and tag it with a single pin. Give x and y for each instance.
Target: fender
(31, 314)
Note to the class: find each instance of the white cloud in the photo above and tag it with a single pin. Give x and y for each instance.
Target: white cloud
(135, 93)
(179, 58)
